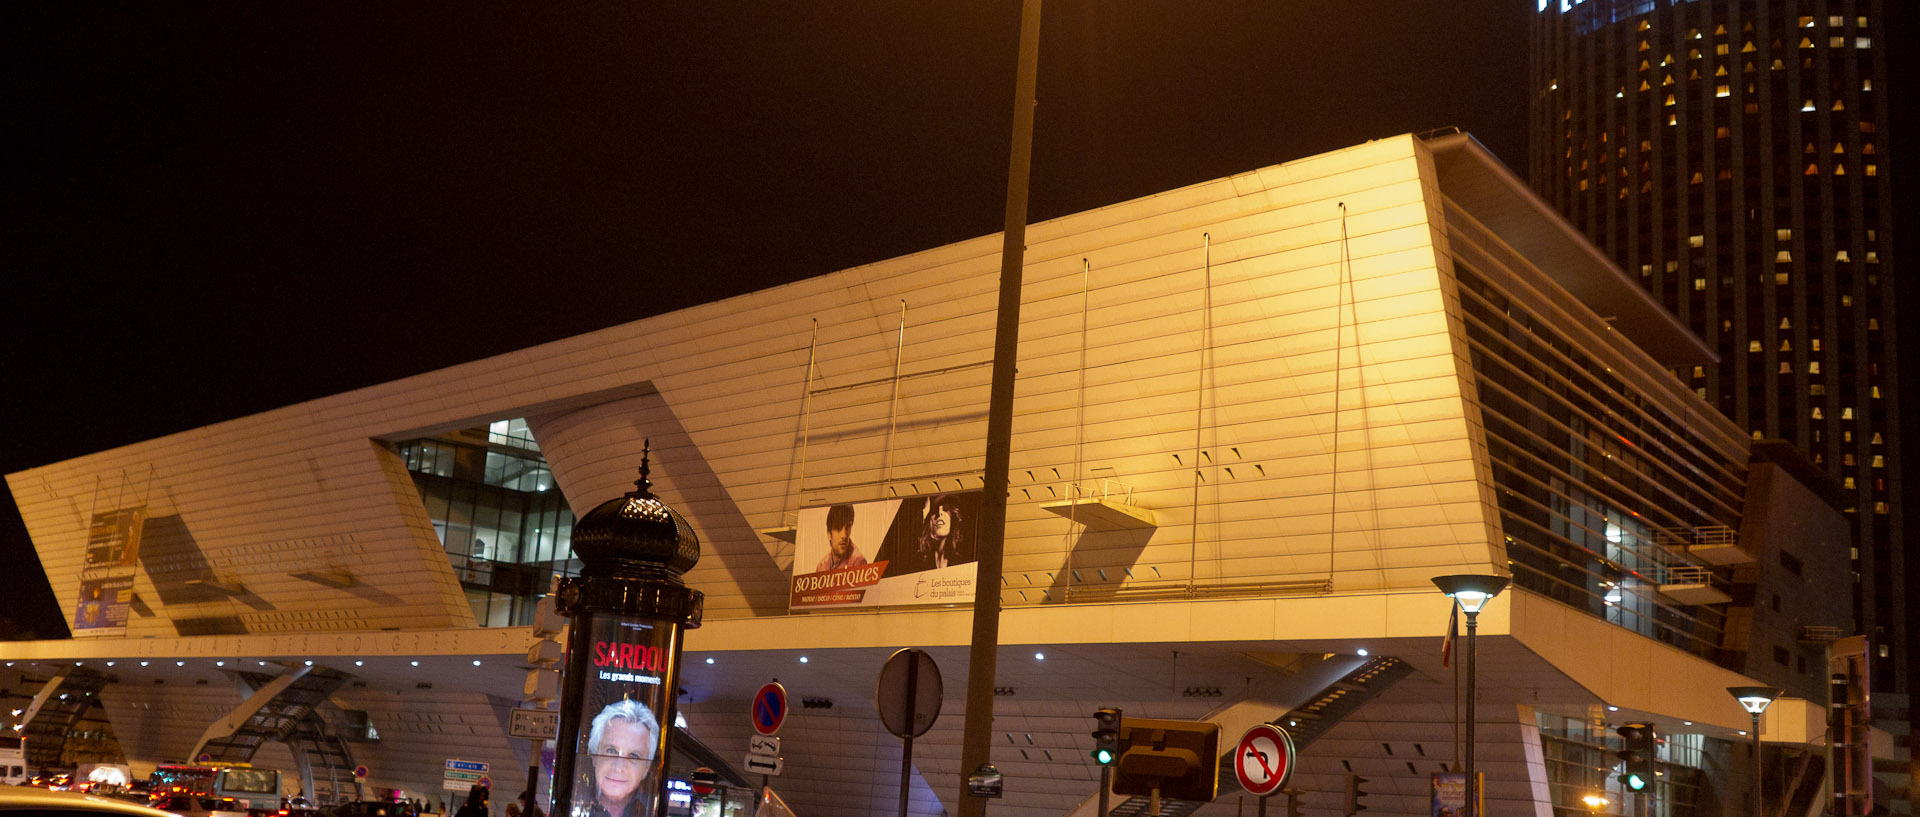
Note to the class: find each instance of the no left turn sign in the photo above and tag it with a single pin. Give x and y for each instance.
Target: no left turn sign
(1263, 760)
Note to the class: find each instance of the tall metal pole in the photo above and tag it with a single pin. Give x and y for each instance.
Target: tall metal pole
(1759, 781)
(1473, 782)
(906, 740)
(982, 663)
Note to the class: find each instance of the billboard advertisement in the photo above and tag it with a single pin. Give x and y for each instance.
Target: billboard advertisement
(886, 552)
(106, 576)
(620, 759)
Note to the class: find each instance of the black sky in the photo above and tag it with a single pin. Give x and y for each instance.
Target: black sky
(214, 209)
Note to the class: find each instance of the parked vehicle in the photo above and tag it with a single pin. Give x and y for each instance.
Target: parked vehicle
(13, 760)
(256, 788)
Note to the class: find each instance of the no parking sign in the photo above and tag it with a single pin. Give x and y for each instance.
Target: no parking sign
(769, 708)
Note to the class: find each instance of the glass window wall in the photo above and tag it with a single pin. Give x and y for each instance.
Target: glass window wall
(501, 518)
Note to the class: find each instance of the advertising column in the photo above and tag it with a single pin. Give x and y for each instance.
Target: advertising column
(628, 608)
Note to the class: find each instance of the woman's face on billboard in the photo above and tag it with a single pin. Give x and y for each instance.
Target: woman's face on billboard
(942, 522)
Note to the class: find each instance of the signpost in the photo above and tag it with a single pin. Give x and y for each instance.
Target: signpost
(463, 775)
(1263, 761)
(769, 708)
(769, 713)
(534, 724)
(704, 781)
(908, 697)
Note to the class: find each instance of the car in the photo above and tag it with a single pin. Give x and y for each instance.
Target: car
(199, 805)
(27, 801)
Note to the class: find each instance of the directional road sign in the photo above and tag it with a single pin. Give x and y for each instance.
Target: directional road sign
(763, 745)
(463, 775)
(1263, 760)
(761, 764)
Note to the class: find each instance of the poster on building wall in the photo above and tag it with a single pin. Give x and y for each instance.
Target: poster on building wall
(621, 758)
(106, 572)
(887, 552)
(1450, 794)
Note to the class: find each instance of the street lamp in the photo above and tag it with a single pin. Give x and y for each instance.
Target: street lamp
(1471, 591)
(1755, 700)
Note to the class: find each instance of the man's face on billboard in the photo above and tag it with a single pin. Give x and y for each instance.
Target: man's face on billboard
(620, 763)
(841, 540)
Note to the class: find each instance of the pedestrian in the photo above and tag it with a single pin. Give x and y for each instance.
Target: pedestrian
(528, 808)
(476, 805)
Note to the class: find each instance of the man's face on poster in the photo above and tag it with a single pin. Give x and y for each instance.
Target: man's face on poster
(841, 540)
(620, 763)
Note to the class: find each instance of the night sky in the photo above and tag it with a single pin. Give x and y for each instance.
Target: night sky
(215, 209)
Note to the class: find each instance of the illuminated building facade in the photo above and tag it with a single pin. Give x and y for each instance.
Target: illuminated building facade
(1255, 417)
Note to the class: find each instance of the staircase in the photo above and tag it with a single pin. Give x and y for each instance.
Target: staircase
(1307, 723)
(1304, 724)
(326, 764)
(292, 717)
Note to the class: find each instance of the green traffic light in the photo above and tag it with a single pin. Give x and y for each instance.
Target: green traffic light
(1103, 757)
(1633, 782)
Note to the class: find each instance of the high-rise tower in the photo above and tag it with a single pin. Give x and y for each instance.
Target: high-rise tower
(1733, 155)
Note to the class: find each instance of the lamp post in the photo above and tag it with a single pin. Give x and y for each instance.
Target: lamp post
(1471, 591)
(1755, 700)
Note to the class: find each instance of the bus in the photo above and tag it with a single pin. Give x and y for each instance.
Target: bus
(13, 760)
(257, 789)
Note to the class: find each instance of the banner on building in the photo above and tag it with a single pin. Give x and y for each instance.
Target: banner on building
(106, 572)
(887, 552)
(1450, 794)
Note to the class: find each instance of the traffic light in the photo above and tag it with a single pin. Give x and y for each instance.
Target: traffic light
(1106, 736)
(1636, 756)
(1355, 794)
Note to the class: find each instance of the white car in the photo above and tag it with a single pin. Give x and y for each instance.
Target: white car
(24, 800)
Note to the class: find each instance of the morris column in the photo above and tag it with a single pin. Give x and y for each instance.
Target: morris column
(628, 609)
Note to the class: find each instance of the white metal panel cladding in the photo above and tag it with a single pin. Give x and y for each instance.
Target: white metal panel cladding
(1285, 394)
